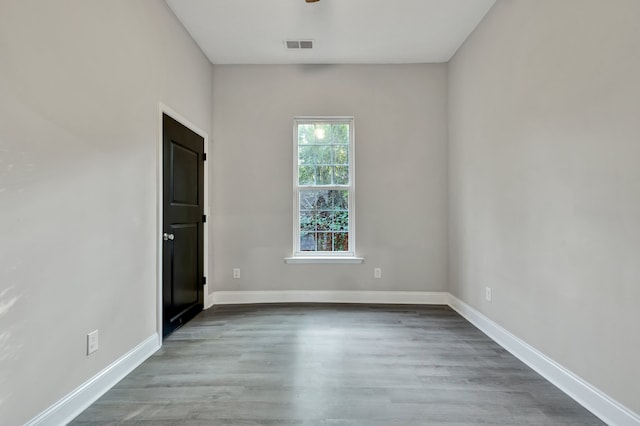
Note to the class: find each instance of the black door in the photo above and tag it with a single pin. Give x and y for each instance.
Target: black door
(183, 209)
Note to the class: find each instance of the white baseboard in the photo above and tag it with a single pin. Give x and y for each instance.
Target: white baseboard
(208, 298)
(298, 296)
(594, 400)
(77, 401)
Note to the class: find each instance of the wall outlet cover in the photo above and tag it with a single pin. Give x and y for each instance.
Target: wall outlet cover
(487, 294)
(92, 342)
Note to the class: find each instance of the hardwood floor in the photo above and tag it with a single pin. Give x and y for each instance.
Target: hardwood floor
(307, 364)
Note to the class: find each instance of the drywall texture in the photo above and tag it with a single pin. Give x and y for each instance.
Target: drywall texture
(400, 166)
(545, 184)
(80, 83)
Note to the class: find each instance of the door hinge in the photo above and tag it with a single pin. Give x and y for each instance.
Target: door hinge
(204, 156)
(204, 218)
(204, 280)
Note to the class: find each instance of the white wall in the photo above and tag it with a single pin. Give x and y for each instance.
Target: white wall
(544, 126)
(80, 83)
(400, 144)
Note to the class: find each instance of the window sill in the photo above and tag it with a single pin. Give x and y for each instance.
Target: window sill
(324, 259)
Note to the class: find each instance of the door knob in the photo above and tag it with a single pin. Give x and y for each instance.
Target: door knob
(167, 237)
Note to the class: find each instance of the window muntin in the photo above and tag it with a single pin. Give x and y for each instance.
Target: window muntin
(323, 183)
(324, 220)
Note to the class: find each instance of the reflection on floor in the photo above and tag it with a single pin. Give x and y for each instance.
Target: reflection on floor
(307, 364)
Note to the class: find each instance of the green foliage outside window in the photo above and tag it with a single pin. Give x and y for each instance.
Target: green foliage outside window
(323, 154)
(323, 160)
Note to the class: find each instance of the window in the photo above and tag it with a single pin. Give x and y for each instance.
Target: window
(323, 187)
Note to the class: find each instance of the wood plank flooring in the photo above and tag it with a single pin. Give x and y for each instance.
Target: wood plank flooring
(307, 364)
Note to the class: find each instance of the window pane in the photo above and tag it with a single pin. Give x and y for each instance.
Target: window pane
(340, 133)
(306, 155)
(305, 134)
(306, 175)
(324, 175)
(339, 199)
(325, 241)
(313, 199)
(340, 154)
(341, 241)
(307, 220)
(323, 133)
(340, 221)
(314, 154)
(322, 200)
(307, 241)
(324, 219)
(317, 199)
(308, 199)
(323, 155)
(341, 175)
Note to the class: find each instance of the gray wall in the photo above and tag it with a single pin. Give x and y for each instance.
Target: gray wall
(544, 126)
(400, 144)
(80, 83)
(544, 194)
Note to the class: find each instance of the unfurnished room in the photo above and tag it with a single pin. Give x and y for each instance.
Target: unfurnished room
(319, 212)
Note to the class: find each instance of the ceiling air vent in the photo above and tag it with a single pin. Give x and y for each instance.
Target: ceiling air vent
(298, 44)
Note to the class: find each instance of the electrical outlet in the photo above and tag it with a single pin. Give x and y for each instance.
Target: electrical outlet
(377, 272)
(92, 342)
(236, 272)
(487, 294)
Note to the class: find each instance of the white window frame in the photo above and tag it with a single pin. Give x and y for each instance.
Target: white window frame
(315, 256)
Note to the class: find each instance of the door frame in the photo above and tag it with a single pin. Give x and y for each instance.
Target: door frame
(164, 109)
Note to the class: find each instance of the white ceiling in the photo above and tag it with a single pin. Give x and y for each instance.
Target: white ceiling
(344, 31)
